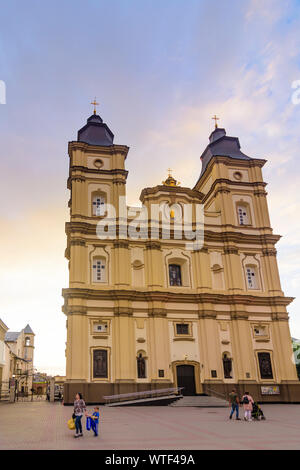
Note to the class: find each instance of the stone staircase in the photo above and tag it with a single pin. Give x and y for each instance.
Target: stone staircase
(204, 401)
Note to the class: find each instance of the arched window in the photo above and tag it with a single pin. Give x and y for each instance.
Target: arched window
(98, 205)
(27, 341)
(252, 277)
(243, 214)
(141, 366)
(99, 271)
(175, 275)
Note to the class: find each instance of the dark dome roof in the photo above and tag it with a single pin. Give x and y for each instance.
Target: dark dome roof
(96, 132)
(221, 145)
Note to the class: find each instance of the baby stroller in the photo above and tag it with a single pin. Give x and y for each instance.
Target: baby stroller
(257, 412)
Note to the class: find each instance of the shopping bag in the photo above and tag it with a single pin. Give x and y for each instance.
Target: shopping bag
(71, 424)
(88, 423)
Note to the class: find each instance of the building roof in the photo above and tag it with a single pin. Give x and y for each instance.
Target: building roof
(12, 336)
(221, 145)
(28, 330)
(96, 132)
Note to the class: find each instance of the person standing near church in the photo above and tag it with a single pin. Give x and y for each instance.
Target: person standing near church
(247, 401)
(234, 402)
(79, 410)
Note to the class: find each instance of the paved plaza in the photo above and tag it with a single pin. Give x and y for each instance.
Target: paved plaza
(43, 425)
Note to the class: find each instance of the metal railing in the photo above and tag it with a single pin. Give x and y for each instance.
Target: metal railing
(140, 395)
(213, 392)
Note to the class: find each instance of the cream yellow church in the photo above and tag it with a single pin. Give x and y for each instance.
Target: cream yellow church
(147, 308)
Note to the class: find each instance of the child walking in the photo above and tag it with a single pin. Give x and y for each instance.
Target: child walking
(94, 420)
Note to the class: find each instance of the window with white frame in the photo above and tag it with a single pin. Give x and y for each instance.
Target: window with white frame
(251, 277)
(98, 270)
(243, 215)
(99, 205)
(100, 327)
(260, 330)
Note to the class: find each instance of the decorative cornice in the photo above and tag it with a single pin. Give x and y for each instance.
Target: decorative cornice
(171, 190)
(231, 250)
(212, 314)
(226, 183)
(77, 242)
(239, 315)
(269, 252)
(77, 310)
(86, 228)
(81, 173)
(123, 311)
(119, 181)
(98, 149)
(121, 243)
(75, 179)
(157, 312)
(222, 190)
(153, 245)
(228, 161)
(202, 250)
(260, 192)
(167, 296)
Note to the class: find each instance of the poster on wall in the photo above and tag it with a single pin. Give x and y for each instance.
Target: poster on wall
(272, 390)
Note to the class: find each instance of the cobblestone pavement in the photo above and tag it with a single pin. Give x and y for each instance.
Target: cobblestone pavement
(43, 425)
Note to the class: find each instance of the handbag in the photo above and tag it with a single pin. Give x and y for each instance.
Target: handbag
(88, 423)
(71, 424)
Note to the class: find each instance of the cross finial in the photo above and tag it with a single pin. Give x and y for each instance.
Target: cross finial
(95, 104)
(170, 171)
(216, 119)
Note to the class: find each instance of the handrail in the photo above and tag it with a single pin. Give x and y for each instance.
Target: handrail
(165, 391)
(223, 395)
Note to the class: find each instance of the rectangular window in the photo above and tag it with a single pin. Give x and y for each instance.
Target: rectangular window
(100, 366)
(242, 215)
(98, 271)
(182, 328)
(100, 327)
(251, 278)
(260, 330)
(175, 275)
(265, 365)
(99, 206)
(161, 373)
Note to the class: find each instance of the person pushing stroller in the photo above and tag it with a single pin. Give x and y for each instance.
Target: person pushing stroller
(257, 412)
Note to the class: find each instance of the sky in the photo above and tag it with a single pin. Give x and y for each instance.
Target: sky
(160, 70)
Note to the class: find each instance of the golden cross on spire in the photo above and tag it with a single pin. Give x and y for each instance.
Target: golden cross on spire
(216, 119)
(95, 104)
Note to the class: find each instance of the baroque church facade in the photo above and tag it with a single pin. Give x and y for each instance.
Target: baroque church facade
(150, 312)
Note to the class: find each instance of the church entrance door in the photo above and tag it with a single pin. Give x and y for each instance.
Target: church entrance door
(186, 379)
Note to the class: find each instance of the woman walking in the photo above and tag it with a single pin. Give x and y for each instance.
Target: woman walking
(79, 410)
(247, 401)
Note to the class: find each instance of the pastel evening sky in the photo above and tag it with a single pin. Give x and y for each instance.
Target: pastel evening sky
(160, 70)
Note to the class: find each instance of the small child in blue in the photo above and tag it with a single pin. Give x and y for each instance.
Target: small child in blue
(94, 420)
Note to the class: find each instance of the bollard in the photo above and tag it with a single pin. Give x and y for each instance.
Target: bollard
(52, 387)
